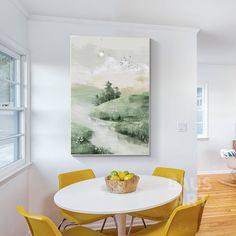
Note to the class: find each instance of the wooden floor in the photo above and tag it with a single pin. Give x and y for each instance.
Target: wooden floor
(219, 217)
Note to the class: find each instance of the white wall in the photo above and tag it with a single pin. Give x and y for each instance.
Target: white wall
(221, 80)
(12, 193)
(13, 23)
(13, 27)
(173, 85)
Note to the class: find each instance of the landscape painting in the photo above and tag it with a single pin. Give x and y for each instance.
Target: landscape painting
(110, 85)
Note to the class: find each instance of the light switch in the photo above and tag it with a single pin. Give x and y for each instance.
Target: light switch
(182, 127)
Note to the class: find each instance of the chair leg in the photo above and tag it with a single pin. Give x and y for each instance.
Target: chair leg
(69, 224)
(131, 224)
(144, 223)
(59, 227)
(114, 218)
(103, 225)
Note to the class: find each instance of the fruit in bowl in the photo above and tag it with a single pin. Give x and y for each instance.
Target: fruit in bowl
(120, 175)
(122, 181)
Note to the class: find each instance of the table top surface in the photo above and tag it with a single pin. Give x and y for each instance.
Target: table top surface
(93, 197)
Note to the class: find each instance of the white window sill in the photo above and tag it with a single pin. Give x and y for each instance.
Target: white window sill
(13, 173)
(202, 138)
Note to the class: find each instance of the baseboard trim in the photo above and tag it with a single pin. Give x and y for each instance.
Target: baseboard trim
(213, 172)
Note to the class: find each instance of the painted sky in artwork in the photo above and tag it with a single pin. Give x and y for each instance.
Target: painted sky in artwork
(122, 61)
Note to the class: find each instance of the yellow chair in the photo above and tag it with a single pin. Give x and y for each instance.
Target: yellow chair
(163, 212)
(43, 226)
(69, 178)
(184, 221)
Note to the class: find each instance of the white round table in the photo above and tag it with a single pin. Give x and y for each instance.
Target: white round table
(92, 197)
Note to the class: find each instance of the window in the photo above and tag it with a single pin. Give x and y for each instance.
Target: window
(13, 108)
(202, 129)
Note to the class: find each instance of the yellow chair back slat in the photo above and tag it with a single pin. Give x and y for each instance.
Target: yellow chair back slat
(163, 212)
(186, 220)
(69, 178)
(171, 173)
(39, 225)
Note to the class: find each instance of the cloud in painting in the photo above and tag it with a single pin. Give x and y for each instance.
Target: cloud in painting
(125, 65)
(121, 73)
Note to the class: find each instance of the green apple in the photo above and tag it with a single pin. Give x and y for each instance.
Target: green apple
(114, 173)
(129, 176)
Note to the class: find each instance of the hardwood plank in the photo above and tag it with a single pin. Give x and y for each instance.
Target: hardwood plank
(219, 217)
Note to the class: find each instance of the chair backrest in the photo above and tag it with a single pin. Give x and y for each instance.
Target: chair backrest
(171, 173)
(39, 225)
(68, 178)
(185, 220)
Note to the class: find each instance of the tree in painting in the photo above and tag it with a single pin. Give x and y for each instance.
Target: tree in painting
(108, 94)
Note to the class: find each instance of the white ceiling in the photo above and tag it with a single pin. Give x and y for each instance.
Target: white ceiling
(215, 18)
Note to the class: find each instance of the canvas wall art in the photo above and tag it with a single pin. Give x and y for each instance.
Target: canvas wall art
(110, 85)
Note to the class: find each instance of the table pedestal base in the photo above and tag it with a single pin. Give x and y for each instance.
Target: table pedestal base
(121, 222)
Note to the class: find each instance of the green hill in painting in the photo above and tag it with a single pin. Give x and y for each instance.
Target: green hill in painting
(84, 93)
(80, 141)
(130, 115)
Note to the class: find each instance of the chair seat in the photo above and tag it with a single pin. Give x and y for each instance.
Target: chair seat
(158, 213)
(81, 218)
(81, 231)
(154, 230)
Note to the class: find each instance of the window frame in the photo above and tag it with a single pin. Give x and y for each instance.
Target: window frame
(205, 134)
(11, 48)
